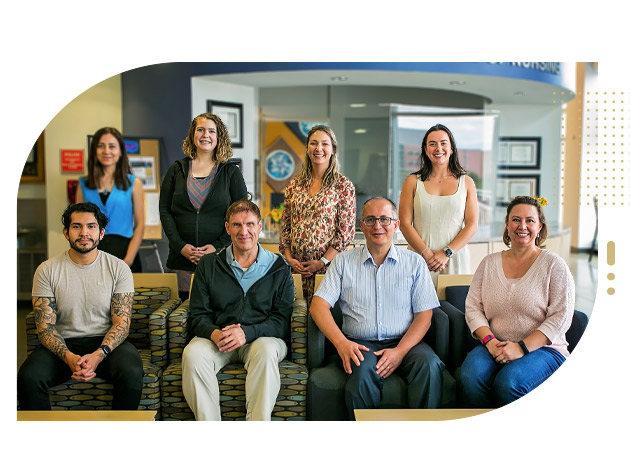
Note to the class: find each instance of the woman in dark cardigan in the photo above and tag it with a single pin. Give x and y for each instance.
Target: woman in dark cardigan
(195, 194)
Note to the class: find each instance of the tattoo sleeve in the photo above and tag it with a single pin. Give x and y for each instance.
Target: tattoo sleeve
(45, 310)
(122, 305)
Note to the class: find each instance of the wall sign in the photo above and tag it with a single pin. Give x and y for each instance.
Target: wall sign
(72, 161)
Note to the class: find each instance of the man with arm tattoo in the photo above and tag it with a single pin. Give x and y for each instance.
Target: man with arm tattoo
(82, 301)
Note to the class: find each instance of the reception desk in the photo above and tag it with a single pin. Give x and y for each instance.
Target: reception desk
(487, 240)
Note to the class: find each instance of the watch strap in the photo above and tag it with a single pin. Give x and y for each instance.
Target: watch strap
(487, 339)
(325, 261)
(524, 347)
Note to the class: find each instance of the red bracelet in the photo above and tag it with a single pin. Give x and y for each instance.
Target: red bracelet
(487, 339)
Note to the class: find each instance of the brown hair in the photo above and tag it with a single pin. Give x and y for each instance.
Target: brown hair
(454, 167)
(240, 206)
(223, 150)
(95, 168)
(525, 200)
(332, 174)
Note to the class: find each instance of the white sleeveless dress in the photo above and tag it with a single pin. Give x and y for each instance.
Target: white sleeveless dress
(438, 219)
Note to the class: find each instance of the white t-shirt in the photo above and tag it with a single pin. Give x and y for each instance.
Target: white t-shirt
(83, 293)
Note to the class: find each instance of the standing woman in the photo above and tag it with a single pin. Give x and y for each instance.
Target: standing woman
(438, 206)
(195, 194)
(319, 210)
(118, 193)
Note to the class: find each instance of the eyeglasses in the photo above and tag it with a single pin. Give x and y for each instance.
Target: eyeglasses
(370, 221)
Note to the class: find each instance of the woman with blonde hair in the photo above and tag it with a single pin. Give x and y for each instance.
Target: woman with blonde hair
(118, 193)
(195, 194)
(319, 210)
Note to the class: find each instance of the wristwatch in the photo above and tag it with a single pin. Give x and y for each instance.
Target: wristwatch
(325, 261)
(447, 251)
(106, 349)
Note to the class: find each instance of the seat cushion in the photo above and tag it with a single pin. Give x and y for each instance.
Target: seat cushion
(290, 404)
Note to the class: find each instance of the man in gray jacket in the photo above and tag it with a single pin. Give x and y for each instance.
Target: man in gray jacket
(240, 310)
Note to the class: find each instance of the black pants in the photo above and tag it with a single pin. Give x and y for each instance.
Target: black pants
(117, 245)
(42, 370)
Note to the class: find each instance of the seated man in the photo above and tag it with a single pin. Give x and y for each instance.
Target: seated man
(82, 300)
(387, 298)
(240, 311)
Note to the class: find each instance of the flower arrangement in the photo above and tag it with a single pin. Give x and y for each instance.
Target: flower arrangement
(542, 201)
(276, 214)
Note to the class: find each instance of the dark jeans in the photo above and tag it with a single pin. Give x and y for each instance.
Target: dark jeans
(421, 368)
(42, 369)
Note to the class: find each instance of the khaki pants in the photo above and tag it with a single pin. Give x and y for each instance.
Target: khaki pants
(202, 360)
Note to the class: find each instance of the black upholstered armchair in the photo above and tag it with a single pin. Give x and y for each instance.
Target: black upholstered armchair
(326, 382)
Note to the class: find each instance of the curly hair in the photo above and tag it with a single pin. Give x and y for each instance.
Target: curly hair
(95, 168)
(223, 150)
(526, 200)
(87, 207)
(454, 167)
(332, 174)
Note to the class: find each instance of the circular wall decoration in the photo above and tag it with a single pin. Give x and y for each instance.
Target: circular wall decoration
(279, 165)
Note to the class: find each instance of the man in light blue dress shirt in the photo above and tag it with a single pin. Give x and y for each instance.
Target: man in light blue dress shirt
(386, 297)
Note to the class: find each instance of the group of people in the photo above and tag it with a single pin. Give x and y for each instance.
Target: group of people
(519, 306)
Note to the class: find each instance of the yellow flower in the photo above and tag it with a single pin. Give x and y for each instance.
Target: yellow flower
(276, 213)
(541, 200)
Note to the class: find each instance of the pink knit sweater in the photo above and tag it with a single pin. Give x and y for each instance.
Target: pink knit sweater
(543, 299)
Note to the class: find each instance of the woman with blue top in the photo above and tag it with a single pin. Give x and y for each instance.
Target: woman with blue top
(118, 193)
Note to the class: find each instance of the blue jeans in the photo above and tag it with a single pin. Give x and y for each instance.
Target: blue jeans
(484, 383)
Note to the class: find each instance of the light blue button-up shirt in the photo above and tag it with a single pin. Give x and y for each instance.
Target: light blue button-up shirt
(378, 302)
(247, 277)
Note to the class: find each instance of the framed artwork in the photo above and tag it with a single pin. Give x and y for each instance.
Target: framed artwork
(510, 186)
(33, 171)
(232, 116)
(519, 153)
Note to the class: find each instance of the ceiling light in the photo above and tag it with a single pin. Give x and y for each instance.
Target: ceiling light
(338, 78)
(360, 131)
(457, 83)
(358, 105)
(519, 93)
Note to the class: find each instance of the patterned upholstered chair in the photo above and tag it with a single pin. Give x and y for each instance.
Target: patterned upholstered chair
(151, 308)
(291, 401)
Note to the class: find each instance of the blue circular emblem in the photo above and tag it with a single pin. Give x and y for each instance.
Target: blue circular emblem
(279, 165)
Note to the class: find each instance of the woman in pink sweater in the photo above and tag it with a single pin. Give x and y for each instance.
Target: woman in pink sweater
(519, 306)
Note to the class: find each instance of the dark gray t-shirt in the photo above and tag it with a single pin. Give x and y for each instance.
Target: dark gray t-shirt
(83, 293)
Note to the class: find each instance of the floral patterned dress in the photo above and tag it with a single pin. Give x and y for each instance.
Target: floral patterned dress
(310, 225)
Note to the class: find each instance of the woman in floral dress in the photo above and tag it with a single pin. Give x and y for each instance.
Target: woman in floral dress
(319, 210)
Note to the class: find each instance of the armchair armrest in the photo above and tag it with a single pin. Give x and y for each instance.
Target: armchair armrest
(316, 345)
(437, 335)
(460, 340)
(158, 332)
(178, 335)
(298, 331)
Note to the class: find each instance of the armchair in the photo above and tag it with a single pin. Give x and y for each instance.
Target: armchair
(326, 382)
(291, 401)
(148, 333)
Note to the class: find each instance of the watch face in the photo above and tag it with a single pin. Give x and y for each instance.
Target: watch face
(448, 252)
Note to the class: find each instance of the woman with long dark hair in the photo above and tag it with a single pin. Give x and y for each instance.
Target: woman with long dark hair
(118, 193)
(438, 206)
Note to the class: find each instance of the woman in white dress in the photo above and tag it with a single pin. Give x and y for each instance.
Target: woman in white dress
(438, 206)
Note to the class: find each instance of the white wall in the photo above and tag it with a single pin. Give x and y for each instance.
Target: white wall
(97, 107)
(203, 90)
(538, 121)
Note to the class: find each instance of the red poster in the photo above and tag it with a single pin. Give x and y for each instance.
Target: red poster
(72, 161)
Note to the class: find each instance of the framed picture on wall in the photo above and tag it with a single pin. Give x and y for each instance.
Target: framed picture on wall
(519, 153)
(232, 116)
(33, 171)
(512, 185)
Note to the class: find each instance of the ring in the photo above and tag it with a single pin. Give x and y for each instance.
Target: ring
(504, 361)
(389, 367)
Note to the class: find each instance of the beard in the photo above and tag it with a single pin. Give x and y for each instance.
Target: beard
(84, 249)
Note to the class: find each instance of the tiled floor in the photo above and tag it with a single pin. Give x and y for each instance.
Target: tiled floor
(584, 273)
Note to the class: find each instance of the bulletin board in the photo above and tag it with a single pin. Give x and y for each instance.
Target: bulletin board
(145, 164)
